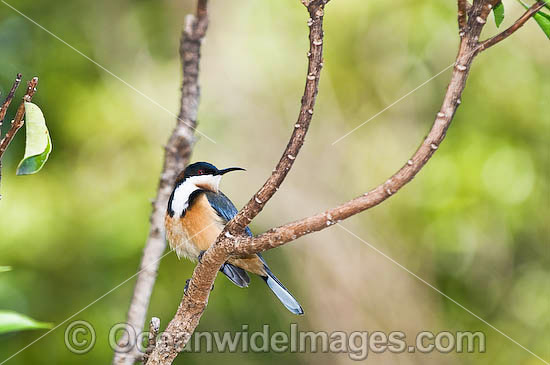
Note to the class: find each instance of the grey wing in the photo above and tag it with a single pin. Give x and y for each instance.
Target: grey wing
(226, 210)
(237, 275)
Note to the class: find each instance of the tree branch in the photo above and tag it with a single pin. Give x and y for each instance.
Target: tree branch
(514, 27)
(177, 155)
(315, 55)
(18, 121)
(232, 242)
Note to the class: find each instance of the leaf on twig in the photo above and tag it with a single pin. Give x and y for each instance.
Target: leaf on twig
(12, 321)
(38, 144)
(498, 12)
(5, 268)
(541, 18)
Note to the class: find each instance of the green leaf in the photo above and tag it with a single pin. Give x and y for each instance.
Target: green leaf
(12, 321)
(498, 12)
(38, 144)
(5, 268)
(541, 18)
(544, 22)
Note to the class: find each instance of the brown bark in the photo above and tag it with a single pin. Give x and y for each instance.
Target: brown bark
(177, 155)
(468, 49)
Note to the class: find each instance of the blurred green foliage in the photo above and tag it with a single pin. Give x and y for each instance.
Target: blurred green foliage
(474, 223)
(12, 322)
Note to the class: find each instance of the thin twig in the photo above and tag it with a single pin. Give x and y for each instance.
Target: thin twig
(18, 121)
(177, 154)
(194, 302)
(452, 100)
(4, 110)
(8, 100)
(315, 55)
(514, 27)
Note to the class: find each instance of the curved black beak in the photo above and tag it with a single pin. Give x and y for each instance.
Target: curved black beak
(225, 171)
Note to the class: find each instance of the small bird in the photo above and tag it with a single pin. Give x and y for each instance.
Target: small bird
(197, 212)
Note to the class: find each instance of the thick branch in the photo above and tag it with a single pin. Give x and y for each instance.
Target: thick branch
(514, 27)
(195, 300)
(469, 48)
(18, 121)
(291, 231)
(177, 155)
(187, 317)
(315, 55)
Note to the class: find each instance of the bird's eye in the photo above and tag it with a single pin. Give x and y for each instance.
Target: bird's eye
(200, 172)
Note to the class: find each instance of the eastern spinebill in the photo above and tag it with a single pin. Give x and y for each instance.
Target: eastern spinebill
(197, 212)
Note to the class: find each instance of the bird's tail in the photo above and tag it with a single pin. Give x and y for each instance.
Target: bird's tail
(281, 292)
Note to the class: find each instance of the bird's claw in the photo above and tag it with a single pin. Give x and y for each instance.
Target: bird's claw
(201, 254)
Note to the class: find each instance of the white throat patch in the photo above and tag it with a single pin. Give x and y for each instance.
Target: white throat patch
(180, 201)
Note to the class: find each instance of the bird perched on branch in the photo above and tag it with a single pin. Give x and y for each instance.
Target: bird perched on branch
(197, 213)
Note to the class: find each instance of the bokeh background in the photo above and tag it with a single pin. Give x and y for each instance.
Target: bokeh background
(474, 222)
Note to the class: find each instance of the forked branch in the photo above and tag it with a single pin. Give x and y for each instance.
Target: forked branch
(452, 100)
(233, 242)
(514, 27)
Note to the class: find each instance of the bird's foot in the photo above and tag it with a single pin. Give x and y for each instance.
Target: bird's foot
(201, 254)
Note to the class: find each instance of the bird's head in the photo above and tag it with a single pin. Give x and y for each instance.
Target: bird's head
(204, 175)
